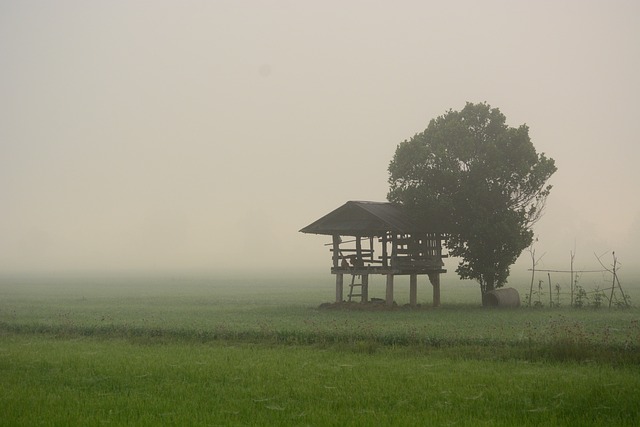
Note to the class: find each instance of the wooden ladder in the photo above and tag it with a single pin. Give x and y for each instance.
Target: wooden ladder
(355, 285)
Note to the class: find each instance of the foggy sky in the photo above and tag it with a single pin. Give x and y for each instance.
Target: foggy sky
(205, 134)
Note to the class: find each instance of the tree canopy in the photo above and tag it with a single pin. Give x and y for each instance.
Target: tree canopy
(479, 181)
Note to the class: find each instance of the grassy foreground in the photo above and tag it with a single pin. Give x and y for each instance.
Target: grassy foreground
(203, 352)
(51, 381)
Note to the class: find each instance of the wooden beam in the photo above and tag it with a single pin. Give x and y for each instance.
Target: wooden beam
(343, 250)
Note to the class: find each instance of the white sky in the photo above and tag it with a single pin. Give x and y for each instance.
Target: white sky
(205, 134)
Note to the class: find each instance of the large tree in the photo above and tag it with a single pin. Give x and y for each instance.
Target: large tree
(480, 181)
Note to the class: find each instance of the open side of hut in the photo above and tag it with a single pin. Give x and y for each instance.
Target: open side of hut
(379, 238)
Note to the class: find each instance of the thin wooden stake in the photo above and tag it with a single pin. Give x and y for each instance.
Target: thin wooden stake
(613, 284)
(572, 257)
(533, 273)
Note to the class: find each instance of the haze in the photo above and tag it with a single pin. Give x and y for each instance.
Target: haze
(203, 135)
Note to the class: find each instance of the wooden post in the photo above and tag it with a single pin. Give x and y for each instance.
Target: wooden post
(365, 288)
(434, 278)
(358, 251)
(389, 300)
(394, 250)
(385, 256)
(339, 288)
(413, 290)
(371, 249)
(336, 250)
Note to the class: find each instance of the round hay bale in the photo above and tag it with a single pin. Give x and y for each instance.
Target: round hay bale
(505, 297)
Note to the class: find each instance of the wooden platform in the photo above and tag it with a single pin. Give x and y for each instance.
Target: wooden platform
(386, 270)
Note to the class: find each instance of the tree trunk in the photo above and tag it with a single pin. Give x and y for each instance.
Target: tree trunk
(484, 288)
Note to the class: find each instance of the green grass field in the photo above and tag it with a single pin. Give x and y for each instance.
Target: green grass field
(189, 350)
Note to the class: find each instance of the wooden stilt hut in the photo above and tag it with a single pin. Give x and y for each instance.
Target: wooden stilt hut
(379, 238)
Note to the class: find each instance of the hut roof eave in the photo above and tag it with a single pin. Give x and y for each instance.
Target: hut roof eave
(364, 218)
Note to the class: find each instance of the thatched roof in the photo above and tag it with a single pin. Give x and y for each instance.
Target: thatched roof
(361, 218)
